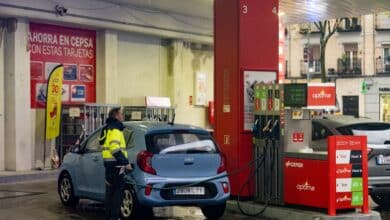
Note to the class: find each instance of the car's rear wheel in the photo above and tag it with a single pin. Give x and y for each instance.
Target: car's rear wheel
(66, 190)
(214, 211)
(132, 209)
(382, 199)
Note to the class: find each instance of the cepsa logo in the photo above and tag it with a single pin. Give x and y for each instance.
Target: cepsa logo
(321, 95)
(306, 187)
(294, 164)
(343, 199)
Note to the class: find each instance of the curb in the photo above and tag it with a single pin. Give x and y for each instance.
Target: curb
(279, 212)
(23, 177)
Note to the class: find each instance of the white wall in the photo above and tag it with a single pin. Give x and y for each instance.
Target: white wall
(148, 68)
(140, 68)
(187, 62)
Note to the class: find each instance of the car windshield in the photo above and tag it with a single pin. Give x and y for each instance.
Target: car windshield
(377, 133)
(180, 143)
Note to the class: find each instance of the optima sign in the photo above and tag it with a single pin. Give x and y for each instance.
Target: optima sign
(321, 95)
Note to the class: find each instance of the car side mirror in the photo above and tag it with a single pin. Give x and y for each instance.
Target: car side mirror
(76, 149)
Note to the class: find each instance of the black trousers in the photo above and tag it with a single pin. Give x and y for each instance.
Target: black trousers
(114, 193)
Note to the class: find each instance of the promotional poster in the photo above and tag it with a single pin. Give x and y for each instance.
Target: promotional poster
(75, 49)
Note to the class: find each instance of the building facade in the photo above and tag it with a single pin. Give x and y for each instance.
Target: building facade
(357, 55)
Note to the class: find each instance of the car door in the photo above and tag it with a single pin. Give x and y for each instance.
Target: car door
(320, 135)
(92, 168)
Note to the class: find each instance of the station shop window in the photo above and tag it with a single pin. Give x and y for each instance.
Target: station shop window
(384, 107)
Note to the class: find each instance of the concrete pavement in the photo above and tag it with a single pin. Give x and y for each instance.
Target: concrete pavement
(299, 213)
(272, 212)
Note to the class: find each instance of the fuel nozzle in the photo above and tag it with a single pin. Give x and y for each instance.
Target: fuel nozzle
(267, 129)
(275, 130)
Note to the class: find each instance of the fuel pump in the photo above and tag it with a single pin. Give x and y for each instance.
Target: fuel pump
(266, 133)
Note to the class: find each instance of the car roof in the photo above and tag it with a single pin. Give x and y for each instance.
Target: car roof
(158, 127)
(336, 121)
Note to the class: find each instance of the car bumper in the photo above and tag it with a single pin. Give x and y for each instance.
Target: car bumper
(379, 183)
(157, 198)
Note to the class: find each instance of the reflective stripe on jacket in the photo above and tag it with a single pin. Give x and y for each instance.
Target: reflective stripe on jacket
(114, 143)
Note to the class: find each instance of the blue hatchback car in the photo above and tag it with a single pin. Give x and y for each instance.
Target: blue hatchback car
(173, 165)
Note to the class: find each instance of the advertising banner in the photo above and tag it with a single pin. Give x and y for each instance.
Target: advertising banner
(53, 107)
(75, 49)
(321, 95)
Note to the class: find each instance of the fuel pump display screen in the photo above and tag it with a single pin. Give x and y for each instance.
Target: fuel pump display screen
(295, 95)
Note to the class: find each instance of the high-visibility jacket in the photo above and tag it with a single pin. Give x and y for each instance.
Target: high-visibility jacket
(114, 143)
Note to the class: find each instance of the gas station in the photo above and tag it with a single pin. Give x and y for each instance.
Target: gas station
(274, 128)
(261, 119)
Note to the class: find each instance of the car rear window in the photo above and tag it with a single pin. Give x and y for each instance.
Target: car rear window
(377, 133)
(180, 143)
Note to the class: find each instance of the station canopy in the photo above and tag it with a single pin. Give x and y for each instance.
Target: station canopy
(293, 11)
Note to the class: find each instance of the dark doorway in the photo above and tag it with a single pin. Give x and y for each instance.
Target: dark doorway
(351, 105)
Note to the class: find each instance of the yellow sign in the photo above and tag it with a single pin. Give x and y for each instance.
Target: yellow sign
(53, 103)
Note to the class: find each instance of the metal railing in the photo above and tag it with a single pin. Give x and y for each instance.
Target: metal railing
(349, 66)
(308, 27)
(382, 68)
(350, 25)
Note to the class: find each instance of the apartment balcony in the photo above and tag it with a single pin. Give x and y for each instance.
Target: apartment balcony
(307, 28)
(349, 67)
(382, 21)
(382, 68)
(312, 67)
(350, 25)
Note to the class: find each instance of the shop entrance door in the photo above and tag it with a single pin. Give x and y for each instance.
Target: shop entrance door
(351, 105)
(384, 107)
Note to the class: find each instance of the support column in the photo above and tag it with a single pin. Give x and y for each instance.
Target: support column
(18, 137)
(246, 38)
(369, 45)
(2, 95)
(107, 67)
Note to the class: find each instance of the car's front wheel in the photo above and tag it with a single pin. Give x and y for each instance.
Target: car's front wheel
(214, 211)
(132, 209)
(66, 190)
(382, 199)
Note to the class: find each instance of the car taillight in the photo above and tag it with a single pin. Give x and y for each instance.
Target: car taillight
(222, 165)
(225, 187)
(148, 189)
(144, 161)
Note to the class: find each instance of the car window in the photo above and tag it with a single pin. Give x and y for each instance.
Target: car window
(319, 132)
(93, 143)
(181, 143)
(377, 133)
(128, 134)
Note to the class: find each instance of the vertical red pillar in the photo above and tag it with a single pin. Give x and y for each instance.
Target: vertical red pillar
(246, 38)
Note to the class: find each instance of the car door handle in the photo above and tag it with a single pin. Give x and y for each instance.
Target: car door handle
(96, 159)
(188, 162)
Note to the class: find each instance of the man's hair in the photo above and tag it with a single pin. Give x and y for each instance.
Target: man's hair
(113, 112)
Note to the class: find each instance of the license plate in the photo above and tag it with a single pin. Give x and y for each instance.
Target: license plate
(190, 191)
(382, 160)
